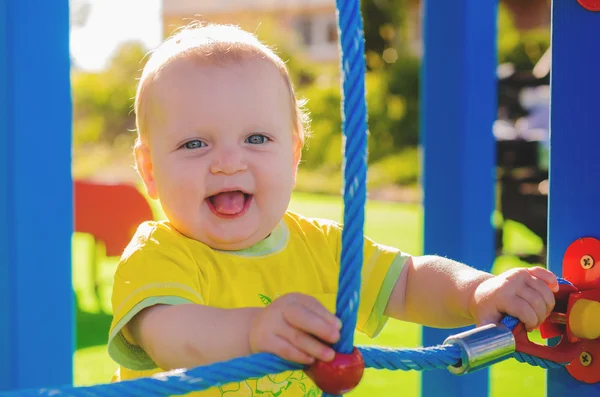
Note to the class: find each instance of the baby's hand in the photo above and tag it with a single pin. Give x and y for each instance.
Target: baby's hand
(523, 293)
(295, 327)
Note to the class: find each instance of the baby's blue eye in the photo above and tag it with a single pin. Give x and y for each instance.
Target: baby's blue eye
(195, 144)
(257, 139)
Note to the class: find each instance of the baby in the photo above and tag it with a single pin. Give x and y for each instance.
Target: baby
(233, 272)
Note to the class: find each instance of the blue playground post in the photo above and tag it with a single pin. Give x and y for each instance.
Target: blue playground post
(458, 108)
(575, 142)
(36, 295)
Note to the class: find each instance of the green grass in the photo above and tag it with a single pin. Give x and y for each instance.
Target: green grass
(399, 225)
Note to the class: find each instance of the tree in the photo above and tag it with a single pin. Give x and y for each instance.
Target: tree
(103, 102)
(384, 25)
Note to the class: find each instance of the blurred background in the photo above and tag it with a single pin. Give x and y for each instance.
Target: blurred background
(109, 43)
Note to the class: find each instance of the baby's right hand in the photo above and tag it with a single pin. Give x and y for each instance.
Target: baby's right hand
(297, 328)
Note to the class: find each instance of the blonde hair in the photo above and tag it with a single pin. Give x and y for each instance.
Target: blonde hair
(212, 45)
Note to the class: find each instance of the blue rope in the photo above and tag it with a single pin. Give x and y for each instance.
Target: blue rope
(420, 359)
(177, 382)
(354, 126)
(259, 365)
(239, 369)
(536, 361)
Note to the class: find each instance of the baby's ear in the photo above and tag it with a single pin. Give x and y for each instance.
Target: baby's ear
(297, 150)
(143, 163)
(297, 147)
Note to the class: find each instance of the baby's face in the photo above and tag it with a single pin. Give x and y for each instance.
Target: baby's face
(222, 155)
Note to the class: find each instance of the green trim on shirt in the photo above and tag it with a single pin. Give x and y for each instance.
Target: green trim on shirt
(274, 243)
(377, 319)
(127, 354)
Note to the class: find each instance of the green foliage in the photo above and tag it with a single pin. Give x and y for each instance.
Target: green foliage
(285, 44)
(522, 49)
(401, 168)
(384, 22)
(397, 169)
(401, 98)
(393, 117)
(393, 97)
(324, 108)
(102, 102)
(392, 93)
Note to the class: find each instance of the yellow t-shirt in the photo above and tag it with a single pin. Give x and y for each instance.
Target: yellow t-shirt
(161, 266)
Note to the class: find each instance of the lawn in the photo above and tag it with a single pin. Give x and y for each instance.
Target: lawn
(393, 224)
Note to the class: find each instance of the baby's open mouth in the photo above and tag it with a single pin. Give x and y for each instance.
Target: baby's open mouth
(229, 204)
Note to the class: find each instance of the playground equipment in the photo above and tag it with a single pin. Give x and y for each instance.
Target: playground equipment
(449, 167)
(111, 214)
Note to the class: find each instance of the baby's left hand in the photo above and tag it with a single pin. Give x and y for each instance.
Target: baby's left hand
(523, 293)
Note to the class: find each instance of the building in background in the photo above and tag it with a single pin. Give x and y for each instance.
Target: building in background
(313, 22)
(310, 22)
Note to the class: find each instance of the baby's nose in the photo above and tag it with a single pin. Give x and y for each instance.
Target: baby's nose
(228, 161)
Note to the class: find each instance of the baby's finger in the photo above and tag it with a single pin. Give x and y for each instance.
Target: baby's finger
(542, 288)
(521, 309)
(316, 307)
(536, 302)
(307, 344)
(300, 317)
(546, 276)
(286, 350)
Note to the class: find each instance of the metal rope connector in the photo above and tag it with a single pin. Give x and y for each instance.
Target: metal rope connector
(482, 347)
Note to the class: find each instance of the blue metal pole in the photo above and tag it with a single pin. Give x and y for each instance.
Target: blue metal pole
(458, 108)
(36, 295)
(575, 141)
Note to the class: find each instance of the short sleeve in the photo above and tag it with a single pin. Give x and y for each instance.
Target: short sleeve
(148, 276)
(381, 269)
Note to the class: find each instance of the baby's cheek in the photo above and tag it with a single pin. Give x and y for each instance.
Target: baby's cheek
(181, 197)
(282, 174)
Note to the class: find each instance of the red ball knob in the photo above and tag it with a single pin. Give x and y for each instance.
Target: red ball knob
(340, 375)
